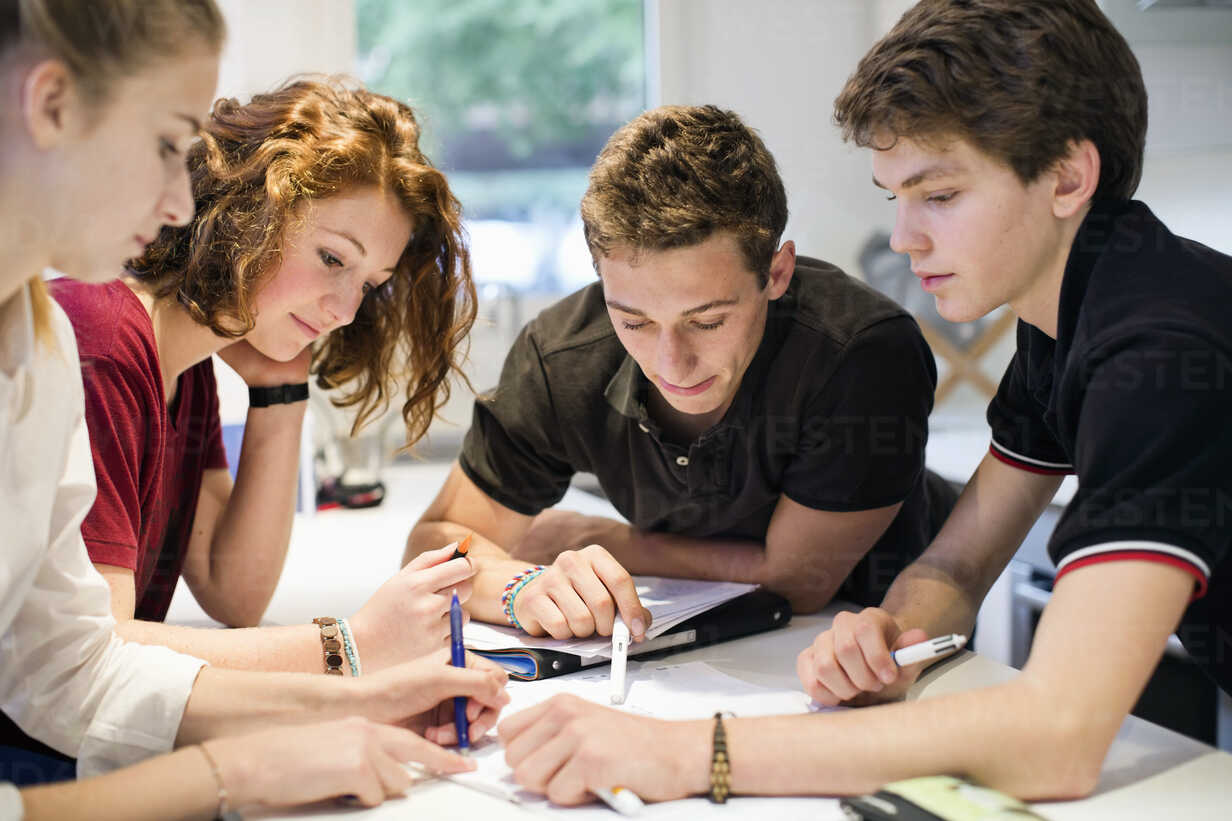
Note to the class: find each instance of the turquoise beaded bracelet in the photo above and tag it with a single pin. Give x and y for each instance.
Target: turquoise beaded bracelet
(348, 647)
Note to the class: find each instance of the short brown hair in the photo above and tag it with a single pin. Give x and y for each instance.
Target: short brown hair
(1019, 79)
(674, 176)
(309, 140)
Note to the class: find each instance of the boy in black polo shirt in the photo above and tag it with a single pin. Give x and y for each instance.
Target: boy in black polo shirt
(755, 416)
(1010, 133)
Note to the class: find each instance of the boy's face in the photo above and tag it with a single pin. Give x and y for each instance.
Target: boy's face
(977, 236)
(692, 318)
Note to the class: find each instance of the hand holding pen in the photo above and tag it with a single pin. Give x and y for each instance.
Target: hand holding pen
(408, 615)
(854, 663)
(458, 659)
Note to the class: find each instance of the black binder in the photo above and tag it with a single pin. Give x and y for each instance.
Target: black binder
(754, 612)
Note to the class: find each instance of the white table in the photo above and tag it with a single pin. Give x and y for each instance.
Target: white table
(1150, 772)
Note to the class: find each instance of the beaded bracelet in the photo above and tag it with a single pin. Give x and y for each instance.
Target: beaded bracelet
(350, 648)
(223, 810)
(330, 645)
(512, 589)
(720, 764)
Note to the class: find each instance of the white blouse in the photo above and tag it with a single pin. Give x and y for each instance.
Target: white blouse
(65, 677)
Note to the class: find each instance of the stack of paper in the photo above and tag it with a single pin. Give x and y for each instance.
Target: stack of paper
(670, 601)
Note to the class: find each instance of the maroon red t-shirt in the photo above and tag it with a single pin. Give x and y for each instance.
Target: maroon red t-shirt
(149, 460)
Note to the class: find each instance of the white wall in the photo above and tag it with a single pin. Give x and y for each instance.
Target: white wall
(780, 63)
(271, 40)
(1186, 59)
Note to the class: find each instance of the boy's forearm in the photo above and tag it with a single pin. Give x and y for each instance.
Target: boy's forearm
(730, 560)
(646, 553)
(927, 596)
(943, 589)
(1006, 737)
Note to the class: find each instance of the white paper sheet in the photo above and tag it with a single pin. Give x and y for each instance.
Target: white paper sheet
(659, 690)
(670, 601)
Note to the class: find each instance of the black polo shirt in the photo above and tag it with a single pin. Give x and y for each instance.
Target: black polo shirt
(1135, 396)
(832, 412)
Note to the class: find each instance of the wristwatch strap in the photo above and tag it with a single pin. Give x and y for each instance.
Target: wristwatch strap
(277, 395)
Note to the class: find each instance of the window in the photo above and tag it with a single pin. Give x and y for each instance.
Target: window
(516, 98)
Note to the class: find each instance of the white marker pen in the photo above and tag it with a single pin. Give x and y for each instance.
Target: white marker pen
(620, 659)
(930, 649)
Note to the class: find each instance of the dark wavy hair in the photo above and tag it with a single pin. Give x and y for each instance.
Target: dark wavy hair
(308, 140)
(1019, 79)
(674, 176)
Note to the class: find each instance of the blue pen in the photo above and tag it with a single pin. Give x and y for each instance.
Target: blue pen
(459, 660)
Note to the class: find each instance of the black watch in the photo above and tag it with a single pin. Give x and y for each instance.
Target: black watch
(277, 395)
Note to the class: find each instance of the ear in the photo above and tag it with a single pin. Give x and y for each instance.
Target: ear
(1077, 177)
(782, 266)
(50, 103)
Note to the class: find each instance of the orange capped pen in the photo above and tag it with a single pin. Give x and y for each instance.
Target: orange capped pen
(459, 552)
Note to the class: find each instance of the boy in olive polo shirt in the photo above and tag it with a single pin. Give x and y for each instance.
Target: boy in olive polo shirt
(755, 416)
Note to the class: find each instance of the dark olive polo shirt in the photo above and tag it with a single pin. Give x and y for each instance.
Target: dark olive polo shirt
(832, 412)
(1135, 396)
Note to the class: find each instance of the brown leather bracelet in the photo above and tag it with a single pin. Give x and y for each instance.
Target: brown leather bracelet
(331, 646)
(720, 765)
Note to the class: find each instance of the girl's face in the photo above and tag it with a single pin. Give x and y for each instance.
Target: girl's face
(118, 174)
(336, 250)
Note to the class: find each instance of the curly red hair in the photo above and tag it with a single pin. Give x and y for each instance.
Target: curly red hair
(308, 140)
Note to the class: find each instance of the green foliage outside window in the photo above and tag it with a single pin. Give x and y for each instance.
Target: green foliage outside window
(538, 74)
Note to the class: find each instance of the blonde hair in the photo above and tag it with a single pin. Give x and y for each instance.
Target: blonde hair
(104, 40)
(101, 42)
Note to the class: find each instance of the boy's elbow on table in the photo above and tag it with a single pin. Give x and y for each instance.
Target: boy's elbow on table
(804, 591)
(803, 601)
(1051, 752)
(1067, 772)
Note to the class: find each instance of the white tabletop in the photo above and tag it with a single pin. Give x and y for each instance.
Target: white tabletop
(1150, 772)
